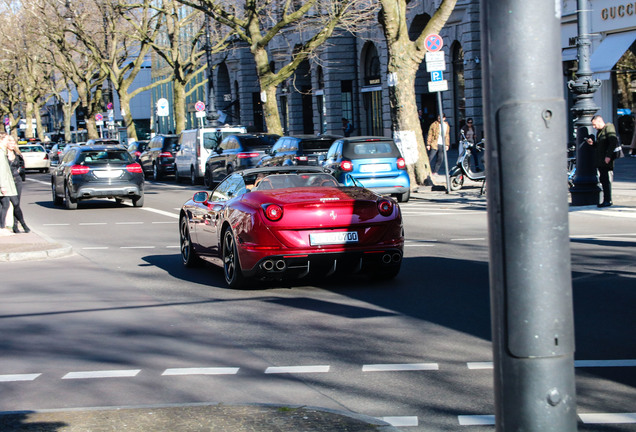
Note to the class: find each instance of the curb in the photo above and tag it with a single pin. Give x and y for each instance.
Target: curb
(190, 417)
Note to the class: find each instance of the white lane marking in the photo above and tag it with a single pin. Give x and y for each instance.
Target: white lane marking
(56, 224)
(19, 377)
(128, 223)
(95, 248)
(479, 365)
(39, 181)
(399, 367)
(202, 371)
(588, 236)
(476, 420)
(102, 374)
(607, 418)
(605, 363)
(577, 363)
(468, 239)
(455, 213)
(611, 212)
(136, 247)
(175, 247)
(418, 245)
(92, 223)
(164, 222)
(297, 369)
(401, 421)
(161, 212)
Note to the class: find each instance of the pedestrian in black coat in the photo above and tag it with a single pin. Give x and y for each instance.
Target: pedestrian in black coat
(604, 146)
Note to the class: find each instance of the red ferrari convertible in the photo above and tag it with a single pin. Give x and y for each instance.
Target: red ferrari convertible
(290, 222)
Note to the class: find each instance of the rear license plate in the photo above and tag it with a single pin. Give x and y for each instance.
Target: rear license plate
(375, 168)
(332, 238)
(107, 174)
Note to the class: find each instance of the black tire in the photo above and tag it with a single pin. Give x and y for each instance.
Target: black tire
(193, 177)
(57, 200)
(456, 182)
(138, 201)
(404, 197)
(156, 175)
(231, 265)
(69, 202)
(177, 177)
(207, 180)
(189, 257)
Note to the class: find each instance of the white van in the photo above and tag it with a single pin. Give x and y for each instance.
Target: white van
(195, 146)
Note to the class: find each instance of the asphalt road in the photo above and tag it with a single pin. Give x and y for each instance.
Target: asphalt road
(123, 323)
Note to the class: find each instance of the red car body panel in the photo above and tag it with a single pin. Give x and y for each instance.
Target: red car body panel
(307, 212)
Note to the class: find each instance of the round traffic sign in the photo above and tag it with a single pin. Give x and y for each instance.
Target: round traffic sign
(433, 42)
(99, 117)
(199, 106)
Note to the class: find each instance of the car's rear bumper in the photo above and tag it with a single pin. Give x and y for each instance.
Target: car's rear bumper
(298, 265)
(108, 191)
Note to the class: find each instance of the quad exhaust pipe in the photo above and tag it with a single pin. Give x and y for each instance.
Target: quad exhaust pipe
(389, 258)
(271, 265)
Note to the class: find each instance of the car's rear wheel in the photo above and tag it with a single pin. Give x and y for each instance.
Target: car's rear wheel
(404, 197)
(188, 255)
(138, 201)
(207, 180)
(69, 202)
(193, 177)
(57, 200)
(231, 265)
(155, 172)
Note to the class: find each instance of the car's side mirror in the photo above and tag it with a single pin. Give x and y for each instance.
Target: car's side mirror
(200, 197)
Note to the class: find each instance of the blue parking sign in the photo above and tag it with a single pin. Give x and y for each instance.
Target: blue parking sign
(437, 76)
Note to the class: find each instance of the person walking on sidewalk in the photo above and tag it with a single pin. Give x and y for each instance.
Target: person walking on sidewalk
(7, 184)
(16, 162)
(434, 144)
(604, 146)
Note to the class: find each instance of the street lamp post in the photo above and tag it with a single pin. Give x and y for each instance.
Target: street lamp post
(585, 190)
(211, 115)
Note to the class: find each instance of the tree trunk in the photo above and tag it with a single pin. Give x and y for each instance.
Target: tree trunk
(38, 122)
(179, 106)
(28, 117)
(268, 88)
(124, 102)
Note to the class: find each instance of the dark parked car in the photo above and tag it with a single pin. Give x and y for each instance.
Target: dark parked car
(136, 148)
(103, 141)
(87, 172)
(375, 162)
(299, 150)
(56, 153)
(158, 158)
(234, 153)
(290, 222)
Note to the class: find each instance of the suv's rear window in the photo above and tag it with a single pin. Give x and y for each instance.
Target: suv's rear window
(170, 143)
(255, 143)
(316, 145)
(370, 149)
(104, 157)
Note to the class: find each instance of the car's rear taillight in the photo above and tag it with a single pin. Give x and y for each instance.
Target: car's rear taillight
(385, 207)
(134, 168)
(79, 169)
(247, 155)
(401, 163)
(165, 154)
(273, 212)
(346, 165)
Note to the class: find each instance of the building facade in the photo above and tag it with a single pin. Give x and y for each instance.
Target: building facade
(348, 80)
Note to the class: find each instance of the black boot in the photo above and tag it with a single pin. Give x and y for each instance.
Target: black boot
(25, 227)
(15, 227)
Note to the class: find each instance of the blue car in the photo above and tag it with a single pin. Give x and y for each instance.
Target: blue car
(374, 162)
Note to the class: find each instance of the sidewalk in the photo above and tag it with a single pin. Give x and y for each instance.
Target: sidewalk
(193, 418)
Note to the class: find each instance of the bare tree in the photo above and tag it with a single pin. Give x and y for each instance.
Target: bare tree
(257, 23)
(405, 57)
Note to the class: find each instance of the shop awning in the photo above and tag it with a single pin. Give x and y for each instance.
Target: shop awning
(609, 52)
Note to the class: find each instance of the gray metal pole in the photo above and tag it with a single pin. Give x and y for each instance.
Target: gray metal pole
(585, 190)
(530, 280)
(443, 132)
